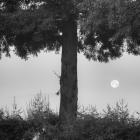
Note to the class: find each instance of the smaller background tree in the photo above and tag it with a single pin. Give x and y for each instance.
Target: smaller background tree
(40, 114)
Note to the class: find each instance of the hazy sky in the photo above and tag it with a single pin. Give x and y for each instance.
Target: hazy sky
(24, 79)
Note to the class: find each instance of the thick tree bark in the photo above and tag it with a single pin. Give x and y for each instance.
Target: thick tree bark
(68, 81)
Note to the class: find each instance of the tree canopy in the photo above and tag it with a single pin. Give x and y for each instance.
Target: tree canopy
(34, 25)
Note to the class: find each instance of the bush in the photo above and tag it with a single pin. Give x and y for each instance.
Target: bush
(115, 123)
(12, 129)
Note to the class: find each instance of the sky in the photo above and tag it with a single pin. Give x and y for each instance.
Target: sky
(24, 79)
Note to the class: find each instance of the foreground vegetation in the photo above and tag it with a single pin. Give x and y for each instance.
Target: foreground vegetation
(114, 123)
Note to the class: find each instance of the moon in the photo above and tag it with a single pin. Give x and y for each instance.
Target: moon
(114, 83)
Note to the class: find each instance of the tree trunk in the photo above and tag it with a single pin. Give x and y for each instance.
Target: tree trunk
(68, 81)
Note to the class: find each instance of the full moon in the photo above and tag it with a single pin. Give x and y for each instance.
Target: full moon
(114, 84)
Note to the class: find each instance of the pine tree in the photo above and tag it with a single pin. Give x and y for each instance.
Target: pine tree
(98, 28)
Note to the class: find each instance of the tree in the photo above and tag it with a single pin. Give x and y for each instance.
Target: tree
(40, 114)
(42, 118)
(37, 107)
(103, 25)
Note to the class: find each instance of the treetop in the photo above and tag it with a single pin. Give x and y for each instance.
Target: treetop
(103, 26)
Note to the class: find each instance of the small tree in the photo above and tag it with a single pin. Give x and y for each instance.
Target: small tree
(16, 111)
(37, 106)
(40, 114)
(118, 113)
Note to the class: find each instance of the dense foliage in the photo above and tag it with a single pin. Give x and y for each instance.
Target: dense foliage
(106, 25)
(103, 26)
(114, 123)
